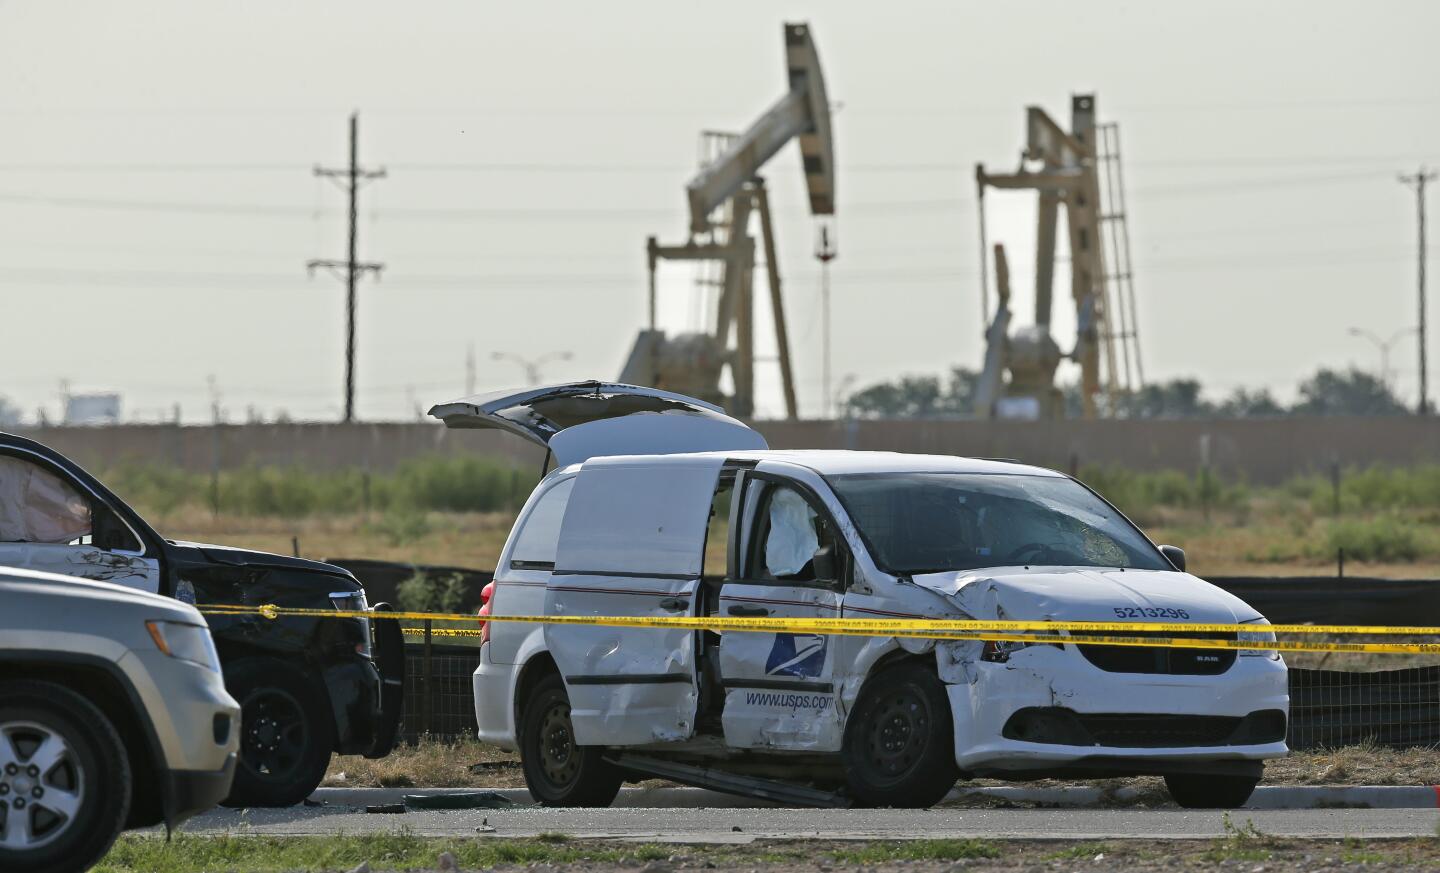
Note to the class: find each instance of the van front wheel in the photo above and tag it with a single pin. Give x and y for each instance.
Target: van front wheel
(1203, 791)
(559, 772)
(899, 742)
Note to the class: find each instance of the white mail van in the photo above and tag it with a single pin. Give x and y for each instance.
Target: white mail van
(661, 505)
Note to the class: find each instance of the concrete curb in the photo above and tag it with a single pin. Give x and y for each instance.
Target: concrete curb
(635, 798)
(1077, 796)
(1265, 796)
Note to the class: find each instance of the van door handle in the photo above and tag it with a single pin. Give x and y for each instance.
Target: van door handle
(674, 604)
(749, 611)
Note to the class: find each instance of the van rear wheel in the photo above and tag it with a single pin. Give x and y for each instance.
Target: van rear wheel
(559, 772)
(899, 747)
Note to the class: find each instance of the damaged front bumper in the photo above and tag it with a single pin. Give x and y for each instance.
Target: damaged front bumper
(1050, 711)
(367, 693)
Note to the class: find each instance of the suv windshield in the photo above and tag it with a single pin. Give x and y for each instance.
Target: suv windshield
(932, 522)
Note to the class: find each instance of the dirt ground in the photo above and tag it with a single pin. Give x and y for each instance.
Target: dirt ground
(474, 765)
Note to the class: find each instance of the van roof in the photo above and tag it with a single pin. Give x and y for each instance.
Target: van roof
(839, 462)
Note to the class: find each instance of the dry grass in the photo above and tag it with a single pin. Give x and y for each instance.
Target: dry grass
(1268, 540)
(439, 538)
(1271, 543)
(1357, 765)
(471, 764)
(429, 764)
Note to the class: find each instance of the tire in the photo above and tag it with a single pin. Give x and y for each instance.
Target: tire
(1196, 791)
(287, 733)
(72, 809)
(899, 746)
(558, 772)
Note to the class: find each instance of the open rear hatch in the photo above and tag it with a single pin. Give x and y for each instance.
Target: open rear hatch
(581, 420)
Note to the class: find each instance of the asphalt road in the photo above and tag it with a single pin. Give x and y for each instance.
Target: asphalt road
(744, 824)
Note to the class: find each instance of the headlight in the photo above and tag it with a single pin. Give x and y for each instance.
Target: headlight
(1258, 636)
(188, 642)
(354, 601)
(999, 651)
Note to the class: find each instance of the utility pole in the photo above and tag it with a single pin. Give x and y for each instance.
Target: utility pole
(1418, 181)
(352, 268)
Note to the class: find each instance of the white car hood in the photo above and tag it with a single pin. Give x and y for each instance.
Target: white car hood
(1085, 594)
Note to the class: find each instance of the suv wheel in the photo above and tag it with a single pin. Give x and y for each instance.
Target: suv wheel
(286, 735)
(899, 747)
(64, 779)
(557, 771)
(1196, 791)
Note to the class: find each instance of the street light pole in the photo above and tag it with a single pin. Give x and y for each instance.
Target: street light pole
(841, 398)
(531, 366)
(1418, 181)
(1384, 346)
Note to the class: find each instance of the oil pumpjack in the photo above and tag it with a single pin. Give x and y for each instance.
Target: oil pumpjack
(723, 197)
(1070, 169)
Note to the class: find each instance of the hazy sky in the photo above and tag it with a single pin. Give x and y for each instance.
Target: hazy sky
(157, 204)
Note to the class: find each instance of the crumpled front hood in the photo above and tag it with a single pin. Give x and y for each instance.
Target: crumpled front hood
(1086, 594)
(248, 558)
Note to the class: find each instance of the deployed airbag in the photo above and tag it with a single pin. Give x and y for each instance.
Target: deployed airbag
(36, 506)
(792, 541)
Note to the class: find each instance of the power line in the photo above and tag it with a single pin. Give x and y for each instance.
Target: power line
(859, 210)
(1196, 163)
(264, 281)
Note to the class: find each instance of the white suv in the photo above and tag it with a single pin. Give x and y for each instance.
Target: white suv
(663, 506)
(113, 715)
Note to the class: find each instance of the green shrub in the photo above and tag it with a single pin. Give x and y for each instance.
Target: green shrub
(1371, 488)
(400, 526)
(458, 484)
(1138, 495)
(461, 484)
(1387, 538)
(421, 593)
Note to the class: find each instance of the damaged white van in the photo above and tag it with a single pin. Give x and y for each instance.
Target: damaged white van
(661, 505)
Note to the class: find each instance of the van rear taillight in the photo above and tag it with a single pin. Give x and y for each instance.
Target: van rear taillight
(487, 600)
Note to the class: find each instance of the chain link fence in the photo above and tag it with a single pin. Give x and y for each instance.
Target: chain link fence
(439, 693)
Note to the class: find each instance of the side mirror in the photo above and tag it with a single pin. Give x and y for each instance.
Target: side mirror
(825, 564)
(1175, 555)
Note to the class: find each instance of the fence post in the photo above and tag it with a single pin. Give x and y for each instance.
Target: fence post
(1340, 562)
(428, 683)
(215, 467)
(1335, 486)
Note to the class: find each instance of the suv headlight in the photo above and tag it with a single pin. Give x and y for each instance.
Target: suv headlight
(354, 601)
(1258, 636)
(188, 642)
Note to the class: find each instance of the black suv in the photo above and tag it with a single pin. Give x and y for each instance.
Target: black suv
(307, 686)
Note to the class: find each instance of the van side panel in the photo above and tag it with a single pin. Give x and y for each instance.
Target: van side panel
(632, 544)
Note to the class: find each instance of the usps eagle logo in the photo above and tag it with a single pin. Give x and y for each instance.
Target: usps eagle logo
(798, 655)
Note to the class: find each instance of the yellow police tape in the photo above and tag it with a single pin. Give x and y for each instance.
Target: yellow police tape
(1094, 632)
